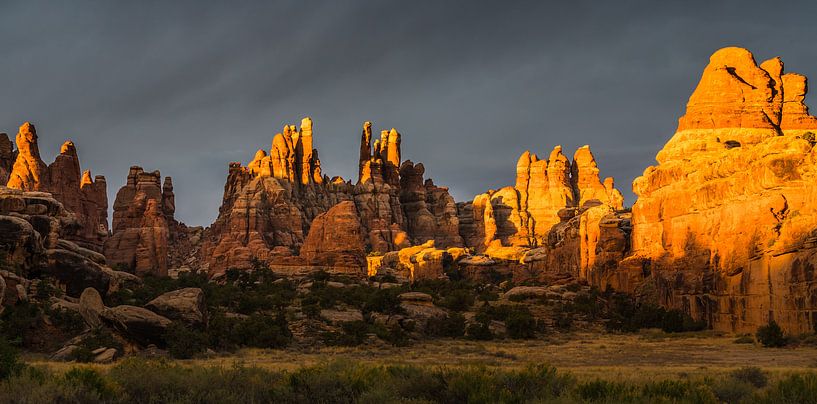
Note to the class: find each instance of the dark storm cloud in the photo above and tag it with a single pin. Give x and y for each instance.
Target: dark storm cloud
(186, 87)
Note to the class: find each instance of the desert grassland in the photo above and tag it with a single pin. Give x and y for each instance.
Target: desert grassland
(648, 355)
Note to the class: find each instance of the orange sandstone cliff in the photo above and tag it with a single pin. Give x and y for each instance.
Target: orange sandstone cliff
(725, 225)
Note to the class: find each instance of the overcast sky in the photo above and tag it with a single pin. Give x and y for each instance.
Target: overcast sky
(187, 87)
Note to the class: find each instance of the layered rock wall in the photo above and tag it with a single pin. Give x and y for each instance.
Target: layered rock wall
(725, 225)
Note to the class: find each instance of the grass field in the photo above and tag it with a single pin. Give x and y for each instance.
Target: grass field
(649, 354)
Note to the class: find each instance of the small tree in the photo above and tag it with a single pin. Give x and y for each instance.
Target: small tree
(771, 335)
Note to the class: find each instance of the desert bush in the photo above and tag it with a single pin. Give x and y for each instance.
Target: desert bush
(520, 324)
(451, 326)
(384, 301)
(752, 375)
(17, 323)
(479, 331)
(795, 388)
(731, 391)
(184, 342)
(9, 360)
(257, 331)
(352, 333)
(771, 335)
(261, 331)
(89, 380)
(605, 391)
(457, 299)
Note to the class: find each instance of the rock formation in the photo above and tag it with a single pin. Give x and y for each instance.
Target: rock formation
(29, 171)
(31, 242)
(146, 237)
(280, 210)
(335, 240)
(269, 205)
(725, 226)
(86, 198)
(524, 215)
(7, 157)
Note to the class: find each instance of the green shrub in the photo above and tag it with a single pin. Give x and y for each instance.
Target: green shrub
(605, 391)
(479, 331)
(520, 324)
(793, 389)
(89, 379)
(752, 375)
(352, 333)
(9, 360)
(261, 331)
(451, 326)
(17, 323)
(731, 391)
(457, 300)
(384, 301)
(771, 335)
(184, 342)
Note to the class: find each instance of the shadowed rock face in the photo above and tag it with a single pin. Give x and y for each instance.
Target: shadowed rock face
(81, 195)
(146, 237)
(724, 225)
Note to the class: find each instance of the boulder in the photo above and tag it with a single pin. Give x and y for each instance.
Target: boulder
(91, 307)
(142, 325)
(77, 272)
(105, 355)
(185, 305)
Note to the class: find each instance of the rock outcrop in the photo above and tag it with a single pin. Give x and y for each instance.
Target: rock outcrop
(81, 195)
(269, 205)
(725, 226)
(275, 210)
(32, 227)
(524, 215)
(146, 237)
(186, 305)
(7, 157)
(335, 240)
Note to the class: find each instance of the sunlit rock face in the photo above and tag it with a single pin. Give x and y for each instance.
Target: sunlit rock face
(335, 241)
(724, 225)
(282, 211)
(77, 191)
(269, 205)
(523, 216)
(146, 238)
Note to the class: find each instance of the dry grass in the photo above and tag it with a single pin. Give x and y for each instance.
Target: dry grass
(627, 357)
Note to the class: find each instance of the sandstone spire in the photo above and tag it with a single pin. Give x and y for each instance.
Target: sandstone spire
(365, 148)
(29, 170)
(143, 223)
(7, 157)
(795, 112)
